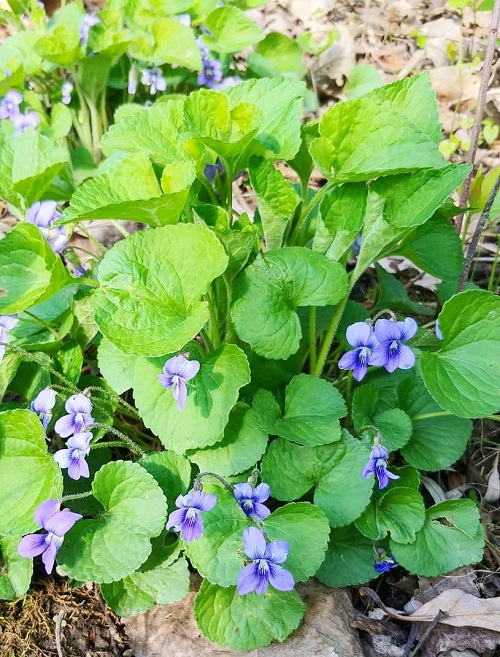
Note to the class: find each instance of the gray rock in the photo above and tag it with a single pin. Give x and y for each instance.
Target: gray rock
(170, 630)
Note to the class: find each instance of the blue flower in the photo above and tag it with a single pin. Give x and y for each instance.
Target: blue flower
(73, 458)
(439, 335)
(43, 404)
(377, 465)
(385, 564)
(187, 519)
(184, 19)
(265, 568)
(360, 336)
(250, 499)
(88, 21)
(391, 353)
(176, 372)
(79, 408)
(152, 78)
(9, 106)
(7, 323)
(56, 523)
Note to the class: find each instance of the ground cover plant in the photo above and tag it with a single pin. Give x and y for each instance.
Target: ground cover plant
(219, 389)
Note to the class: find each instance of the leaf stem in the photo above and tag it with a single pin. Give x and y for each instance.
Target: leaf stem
(109, 443)
(429, 416)
(328, 339)
(306, 210)
(76, 496)
(130, 443)
(226, 484)
(312, 338)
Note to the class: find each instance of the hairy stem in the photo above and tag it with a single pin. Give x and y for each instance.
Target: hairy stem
(130, 443)
(328, 339)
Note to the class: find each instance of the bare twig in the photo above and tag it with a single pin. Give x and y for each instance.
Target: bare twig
(428, 630)
(481, 102)
(366, 592)
(477, 234)
(59, 619)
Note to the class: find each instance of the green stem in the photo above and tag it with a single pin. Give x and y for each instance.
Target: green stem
(306, 211)
(130, 443)
(67, 384)
(95, 123)
(208, 187)
(495, 418)
(206, 339)
(119, 228)
(115, 397)
(230, 335)
(214, 322)
(94, 241)
(226, 484)
(429, 416)
(328, 339)
(312, 338)
(41, 321)
(76, 496)
(88, 281)
(108, 443)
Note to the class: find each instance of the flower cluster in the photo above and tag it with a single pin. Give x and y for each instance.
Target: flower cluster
(79, 408)
(265, 558)
(7, 323)
(9, 109)
(43, 214)
(42, 406)
(377, 465)
(381, 346)
(56, 523)
(176, 372)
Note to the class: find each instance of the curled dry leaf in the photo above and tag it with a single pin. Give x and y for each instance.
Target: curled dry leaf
(462, 610)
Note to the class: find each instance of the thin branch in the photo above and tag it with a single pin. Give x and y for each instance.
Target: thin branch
(478, 117)
(477, 235)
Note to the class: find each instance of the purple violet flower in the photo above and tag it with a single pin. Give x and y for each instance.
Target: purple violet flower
(88, 21)
(43, 404)
(265, 568)
(79, 408)
(66, 90)
(73, 457)
(377, 465)
(211, 73)
(386, 563)
(361, 336)
(24, 121)
(43, 213)
(391, 353)
(176, 372)
(7, 323)
(437, 328)
(250, 499)
(187, 519)
(9, 106)
(56, 523)
(152, 78)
